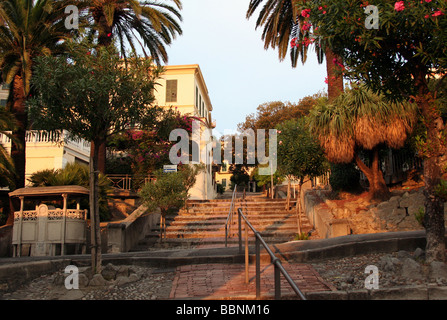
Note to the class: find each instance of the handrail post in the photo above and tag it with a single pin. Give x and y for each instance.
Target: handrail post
(277, 280)
(246, 253)
(239, 217)
(258, 267)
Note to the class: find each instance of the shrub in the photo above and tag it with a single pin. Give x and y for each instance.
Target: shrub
(344, 177)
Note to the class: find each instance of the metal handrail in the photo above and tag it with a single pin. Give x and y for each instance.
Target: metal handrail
(230, 214)
(274, 260)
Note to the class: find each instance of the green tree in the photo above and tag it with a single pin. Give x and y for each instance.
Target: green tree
(152, 24)
(169, 191)
(269, 115)
(285, 23)
(359, 119)
(299, 156)
(93, 95)
(28, 28)
(398, 59)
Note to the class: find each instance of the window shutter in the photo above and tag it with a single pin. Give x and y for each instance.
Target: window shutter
(171, 90)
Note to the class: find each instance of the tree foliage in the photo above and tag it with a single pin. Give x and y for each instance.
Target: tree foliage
(270, 114)
(93, 95)
(169, 191)
(397, 59)
(74, 174)
(299, 153)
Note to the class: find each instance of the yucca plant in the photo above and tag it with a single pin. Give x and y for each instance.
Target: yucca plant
(359, 119)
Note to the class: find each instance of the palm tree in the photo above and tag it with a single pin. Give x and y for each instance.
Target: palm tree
(156, 23)
(282, 22)
(7, 170)
(28, 28)
(359, 119)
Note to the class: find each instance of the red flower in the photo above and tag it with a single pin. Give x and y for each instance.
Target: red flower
(305, 13)
(109, 35)
(437, 13)
(399, 6)
(293, 43)
(306, 26)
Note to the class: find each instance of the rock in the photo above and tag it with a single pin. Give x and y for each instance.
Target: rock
(411, 269)
(72, 295)
(438, 271)
(388, 263)
(123, 271)
(134, 277)
(402, 254)
(121, 280)
(83, 280)
(109, 272)
(98, 280)
(419, 253)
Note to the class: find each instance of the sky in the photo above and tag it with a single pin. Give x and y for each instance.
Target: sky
(239, 73)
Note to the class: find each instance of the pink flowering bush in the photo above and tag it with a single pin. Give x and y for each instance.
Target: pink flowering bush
(399, 6)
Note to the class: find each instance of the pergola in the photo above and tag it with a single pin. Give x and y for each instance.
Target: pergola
(43, 229)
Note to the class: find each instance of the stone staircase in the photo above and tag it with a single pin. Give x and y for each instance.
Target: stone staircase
(202, 224)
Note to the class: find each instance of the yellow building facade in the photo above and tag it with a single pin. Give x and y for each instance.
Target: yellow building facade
(183, 87)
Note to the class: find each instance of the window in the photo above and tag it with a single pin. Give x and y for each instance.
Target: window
(3, 103)
(171, 90)
(197, 97)
(224, 167)
(224, 183)
(200, 105)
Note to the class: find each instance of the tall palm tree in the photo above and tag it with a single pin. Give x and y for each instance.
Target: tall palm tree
(155, 23)
(7, 170)
(282, 22)
(359, 119)
(28, 28)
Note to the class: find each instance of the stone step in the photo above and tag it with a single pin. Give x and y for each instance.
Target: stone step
(203, 223)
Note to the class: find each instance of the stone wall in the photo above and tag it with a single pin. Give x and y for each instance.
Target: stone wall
(359, 216)
(124, 235)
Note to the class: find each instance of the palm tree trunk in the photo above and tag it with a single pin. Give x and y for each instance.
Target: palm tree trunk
(18, 149)
(335, 81)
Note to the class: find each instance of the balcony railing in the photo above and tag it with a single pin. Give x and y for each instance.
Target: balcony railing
(43, 136)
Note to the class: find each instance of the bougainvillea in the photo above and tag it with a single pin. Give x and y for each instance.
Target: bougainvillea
(149, 148)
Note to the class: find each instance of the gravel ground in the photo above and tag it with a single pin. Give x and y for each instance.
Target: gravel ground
(397, 269)
(153, 284)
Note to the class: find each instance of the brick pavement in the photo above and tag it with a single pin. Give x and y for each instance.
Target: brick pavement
(226, 281)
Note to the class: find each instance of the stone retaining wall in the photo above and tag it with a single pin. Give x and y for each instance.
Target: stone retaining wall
(125, 234)
(357, 215)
